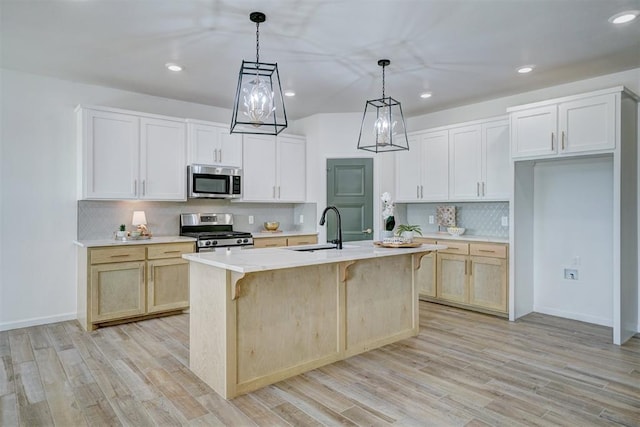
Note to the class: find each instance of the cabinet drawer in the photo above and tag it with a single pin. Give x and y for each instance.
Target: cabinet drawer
(302, 240)
(454, 247)
(170, 250)
(270, 242)
(117, 254)
(487, 249)
(424, 240)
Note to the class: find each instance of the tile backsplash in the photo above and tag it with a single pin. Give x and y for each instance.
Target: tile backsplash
(100, 219)
(479, 218)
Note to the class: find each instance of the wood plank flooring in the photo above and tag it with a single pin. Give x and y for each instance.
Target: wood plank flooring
(464, 369)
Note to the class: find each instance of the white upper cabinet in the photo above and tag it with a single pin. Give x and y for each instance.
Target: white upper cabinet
(422, 172)
(212, 144)
(126, 155)
(465, 163)
(274, 168)
(581, 124)
(496, 170)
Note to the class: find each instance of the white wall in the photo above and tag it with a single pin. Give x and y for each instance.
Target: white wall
(573, 213)
(37, 188)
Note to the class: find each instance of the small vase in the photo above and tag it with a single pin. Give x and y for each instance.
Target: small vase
(384, 234)
(407, 236)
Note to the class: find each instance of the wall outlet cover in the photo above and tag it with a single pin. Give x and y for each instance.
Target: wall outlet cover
(250, 219)
(301, 219)
(505, 221)
(571, 274)
(431, 219)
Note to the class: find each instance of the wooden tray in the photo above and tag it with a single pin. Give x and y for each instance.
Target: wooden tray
(397, 245)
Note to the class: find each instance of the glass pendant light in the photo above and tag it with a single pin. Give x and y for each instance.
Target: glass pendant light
(258, 107)
(383, 127)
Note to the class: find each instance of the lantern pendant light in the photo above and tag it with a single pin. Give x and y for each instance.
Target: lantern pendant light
(258, 107)
(383, 128)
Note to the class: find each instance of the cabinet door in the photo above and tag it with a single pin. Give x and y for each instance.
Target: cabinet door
(425, 276)
(465, 163)
(488, 283)
(230, 153)
(203, 143)
(291, 169)
(110, 163)
(259, 168)
(533, 132)
(408, 170)
(588, 124)
(451, 282)
(117, 291)
(496, 181)
(435, 166)
(168, 285)
(163, 159)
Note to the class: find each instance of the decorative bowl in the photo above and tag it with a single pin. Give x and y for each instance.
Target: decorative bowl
(456, 231)
(271, 225)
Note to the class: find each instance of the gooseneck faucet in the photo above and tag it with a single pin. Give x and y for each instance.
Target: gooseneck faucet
(338, 240)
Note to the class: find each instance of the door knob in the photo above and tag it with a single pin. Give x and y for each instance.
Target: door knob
(367, 231)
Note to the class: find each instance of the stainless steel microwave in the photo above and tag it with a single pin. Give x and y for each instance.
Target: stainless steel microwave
(214, 182)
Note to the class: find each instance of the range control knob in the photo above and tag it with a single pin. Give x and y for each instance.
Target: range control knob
(245, 241)
(208, 243)
(239, 241)
(215, 242)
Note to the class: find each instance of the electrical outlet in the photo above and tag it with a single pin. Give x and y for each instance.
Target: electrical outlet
(505, 221)
(250, 219)
(431, 219)
(301, 219)
(571, 273)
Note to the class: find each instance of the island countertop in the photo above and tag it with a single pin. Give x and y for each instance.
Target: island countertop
(252, 260)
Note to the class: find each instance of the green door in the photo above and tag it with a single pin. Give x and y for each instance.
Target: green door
(350, 189)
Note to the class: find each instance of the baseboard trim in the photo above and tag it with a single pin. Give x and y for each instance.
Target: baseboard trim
(574, 316)
(36, 321)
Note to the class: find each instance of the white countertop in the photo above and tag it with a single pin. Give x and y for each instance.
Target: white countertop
(263, 234)
(151, 241)
(467, 237)
(252, 260)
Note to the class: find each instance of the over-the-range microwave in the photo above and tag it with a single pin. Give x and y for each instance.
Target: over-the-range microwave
(214, 182)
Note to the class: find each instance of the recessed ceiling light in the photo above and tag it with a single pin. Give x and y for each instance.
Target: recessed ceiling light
(624, 17)
(173, 67)
(289, 93)
(425, 95)
(525, 69)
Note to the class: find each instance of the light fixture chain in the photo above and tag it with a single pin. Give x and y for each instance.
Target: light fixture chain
(257, 42)
(383, 82)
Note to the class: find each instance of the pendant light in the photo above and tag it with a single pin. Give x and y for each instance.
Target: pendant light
(383, 127)
(258, 107)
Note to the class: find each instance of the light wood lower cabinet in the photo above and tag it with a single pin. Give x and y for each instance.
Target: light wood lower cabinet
(466, 274)
(274, 242)
(124, 283)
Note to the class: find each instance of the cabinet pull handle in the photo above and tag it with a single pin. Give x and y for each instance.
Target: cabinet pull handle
(417, 191)
(470, 268)
(465, 267)
(220, 152)
(562, 140)
(551, 141)
(144, 187)
(483, 193)
(478, 189)
(171, 252)
(421, 192)
(120, 256)
(487, 250)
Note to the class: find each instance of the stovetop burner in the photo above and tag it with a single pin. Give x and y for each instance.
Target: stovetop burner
(213, 231)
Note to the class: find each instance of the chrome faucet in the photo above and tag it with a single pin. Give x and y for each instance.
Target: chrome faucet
(338, 240)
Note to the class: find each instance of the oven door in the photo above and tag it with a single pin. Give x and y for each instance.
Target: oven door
(212, 182)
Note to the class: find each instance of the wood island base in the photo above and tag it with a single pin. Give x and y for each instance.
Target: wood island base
(249, 330)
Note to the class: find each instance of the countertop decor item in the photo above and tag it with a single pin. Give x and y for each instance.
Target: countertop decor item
(271, 225)
(406, 232)
(258, 107)
(386, 244)
(456, 231)
(383, 127)
(387, 211)
(446, 216)
(140, 221)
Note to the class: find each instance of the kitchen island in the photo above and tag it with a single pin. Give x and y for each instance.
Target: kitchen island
(262, 315)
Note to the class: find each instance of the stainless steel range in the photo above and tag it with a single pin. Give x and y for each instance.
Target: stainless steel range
(213, 230)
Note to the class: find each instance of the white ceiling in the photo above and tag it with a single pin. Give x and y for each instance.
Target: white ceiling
(327, 50)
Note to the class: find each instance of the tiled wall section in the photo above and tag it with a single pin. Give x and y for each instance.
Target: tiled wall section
(100, 219)
(479, 218)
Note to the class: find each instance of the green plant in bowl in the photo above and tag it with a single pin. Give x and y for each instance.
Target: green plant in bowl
(412, 228)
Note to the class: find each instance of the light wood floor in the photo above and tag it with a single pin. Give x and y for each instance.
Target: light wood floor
(463, 369)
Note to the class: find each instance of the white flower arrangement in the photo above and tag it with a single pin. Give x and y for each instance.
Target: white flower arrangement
(387, 211)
